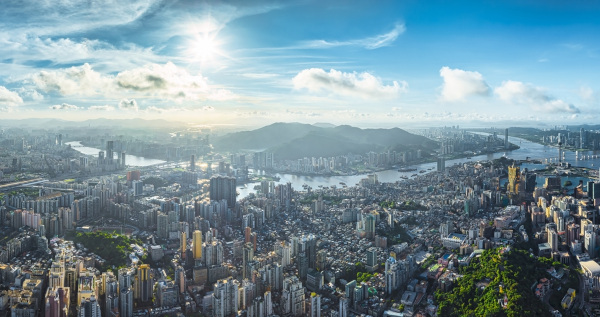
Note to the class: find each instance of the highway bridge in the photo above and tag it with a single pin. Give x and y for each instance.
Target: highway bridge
(25, 183)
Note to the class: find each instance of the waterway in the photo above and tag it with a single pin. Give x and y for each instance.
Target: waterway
(131, 160)
(528, 149)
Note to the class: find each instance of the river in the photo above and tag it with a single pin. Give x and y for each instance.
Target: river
(131, 160)
(527, 149)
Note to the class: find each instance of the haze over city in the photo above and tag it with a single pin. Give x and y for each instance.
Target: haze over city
(393, 63)
(299, 158)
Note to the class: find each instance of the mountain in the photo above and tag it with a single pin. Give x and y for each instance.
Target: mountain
(296, 140)
(320, 143)
(263, 138)
(324, 125)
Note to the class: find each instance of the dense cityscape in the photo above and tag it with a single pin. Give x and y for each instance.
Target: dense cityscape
(283, 158)
(174, 237)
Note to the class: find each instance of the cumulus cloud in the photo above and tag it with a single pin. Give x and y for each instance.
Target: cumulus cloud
(64, 106)
(9, 98)
(127, 104)
(76, 80)
(30, 94)
(170, 82)
(153, 80)
(101, 108)
(350, 84)
(536, 97)
(460, 84)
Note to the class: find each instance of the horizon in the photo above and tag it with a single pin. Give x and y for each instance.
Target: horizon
(406, 65)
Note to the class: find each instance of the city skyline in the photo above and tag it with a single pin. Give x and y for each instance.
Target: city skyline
(393, 64)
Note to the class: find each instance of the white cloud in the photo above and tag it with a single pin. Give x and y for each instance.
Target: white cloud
(64, 106)
(30, 94)
(371, 43)
(127, 104)
(76, 80)
(42, 17)
(170, 82)
(259, 75)
(9, 98)
(347, 84)
(166, 81)
(101, 108)
(589, 96)
(536, 97)
(460, 84)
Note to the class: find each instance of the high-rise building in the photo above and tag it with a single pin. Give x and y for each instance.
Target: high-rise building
(144, 283)
(315, 305)
(506, 144)
(553, 240)
(197, 245)
(372, 259)
(126, 302)
(193, 163)
(590, 243)
(89, 307)
(182, 244)
(370, 226)
(514, 179)
(109, 152)
(125, 278)
(86, 287)
(343, 310)
(223, 187)
(226, 297)
(441, 164)
(138, 188)
(248, 256)
(593, 190)
(162, 225)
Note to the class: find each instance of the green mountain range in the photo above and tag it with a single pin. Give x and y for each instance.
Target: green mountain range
(297, 140)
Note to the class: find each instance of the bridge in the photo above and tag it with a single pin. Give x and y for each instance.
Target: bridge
(25, 183)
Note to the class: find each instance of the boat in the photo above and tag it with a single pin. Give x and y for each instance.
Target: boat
(403, 170)
(422, 171)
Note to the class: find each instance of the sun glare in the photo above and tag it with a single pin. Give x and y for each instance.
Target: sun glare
(204, 47)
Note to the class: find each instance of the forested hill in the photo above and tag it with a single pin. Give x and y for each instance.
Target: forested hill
(478, 291)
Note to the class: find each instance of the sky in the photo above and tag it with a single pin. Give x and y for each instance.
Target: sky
(364, 63)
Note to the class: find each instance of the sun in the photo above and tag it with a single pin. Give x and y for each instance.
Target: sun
(204, 47)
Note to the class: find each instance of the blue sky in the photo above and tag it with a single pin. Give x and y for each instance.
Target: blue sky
(366, 63)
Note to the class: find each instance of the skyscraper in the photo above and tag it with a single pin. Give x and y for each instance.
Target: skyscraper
(514, 178)
(248, 256)
(109, 152)
(193, 163)
(506, 138)
(315, 305)
(223, 187)
(182, 244)
(89, 308)
(144, 282)
(126, 302)
(197, 245)
(441, 164)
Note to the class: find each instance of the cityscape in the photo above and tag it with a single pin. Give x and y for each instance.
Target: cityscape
(299, 158)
